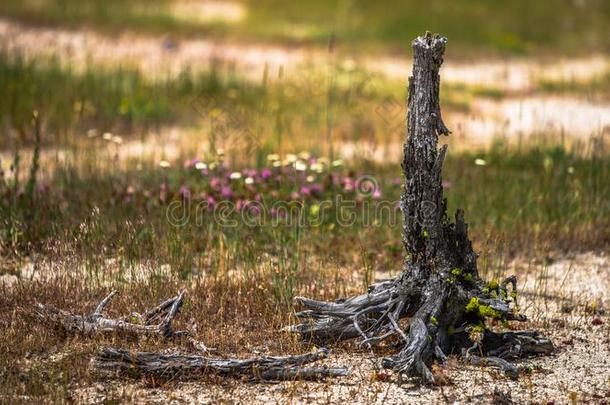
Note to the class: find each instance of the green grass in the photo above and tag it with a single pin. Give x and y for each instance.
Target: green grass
(125, 102)
(475, 27)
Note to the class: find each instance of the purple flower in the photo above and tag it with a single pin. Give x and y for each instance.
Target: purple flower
(226, 193)
(211, 202)
(377, 194)
(191, 163)
(254, 209)
(316, 189)
(215, 183)
(397, 181)
(446, 184)
(305, 191)
(184, 192)
(265, 173)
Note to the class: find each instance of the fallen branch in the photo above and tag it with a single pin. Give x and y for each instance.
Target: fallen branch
(112, 361)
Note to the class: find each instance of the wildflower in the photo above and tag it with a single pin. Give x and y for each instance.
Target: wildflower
(215, 183)
(397, 181)
(92, 133)
(316, 189)
(201, 166)
(480, 162)
(291, 158)
(300, 166)
(117, 139)
(337, 163)
(317, 167)
(107, 136)
(446, 184)
(249, 180)
(376, 194)
(226, 192)
(277, 163)
(310, 179)
(164, 164)
(305, 191)
(273, 157)
(570, 170)
(304, 155)
(235, 176)
(211, 202)
(220, 152)
(185, 192)
(265, 173)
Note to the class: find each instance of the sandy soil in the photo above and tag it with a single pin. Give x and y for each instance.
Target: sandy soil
(566, 297)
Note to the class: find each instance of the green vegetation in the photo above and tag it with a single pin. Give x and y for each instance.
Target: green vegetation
(475, 27)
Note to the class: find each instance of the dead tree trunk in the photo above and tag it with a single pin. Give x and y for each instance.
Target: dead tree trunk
(439, 289)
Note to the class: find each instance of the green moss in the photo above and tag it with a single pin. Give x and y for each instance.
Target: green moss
(473, 305)
(433, 321)
(456, 272)
(484, 311)
(493, 285)
(468, 277)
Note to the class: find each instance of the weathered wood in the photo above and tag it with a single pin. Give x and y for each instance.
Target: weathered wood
(97, 323)
(157, 322)
(439, 289)
(267, 368)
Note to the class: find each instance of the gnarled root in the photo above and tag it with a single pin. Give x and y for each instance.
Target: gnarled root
(267, 368)
(373, 316)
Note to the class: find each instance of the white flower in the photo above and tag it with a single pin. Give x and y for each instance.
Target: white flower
(235, 176)
(107, 136)
(200, 166)
(164, 164)
(300, 166)
(304, 155)
(249, 180)
(317, 167)
(273, 157)
(337, 163)
(310, 179)
(480, 162)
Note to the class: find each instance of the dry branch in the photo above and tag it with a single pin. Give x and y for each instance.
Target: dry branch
(157, 322)
(267, 368)
(97, 323)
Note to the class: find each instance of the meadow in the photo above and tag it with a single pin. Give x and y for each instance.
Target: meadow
(243, 192)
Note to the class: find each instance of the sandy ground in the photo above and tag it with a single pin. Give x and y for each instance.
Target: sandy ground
(565, 297)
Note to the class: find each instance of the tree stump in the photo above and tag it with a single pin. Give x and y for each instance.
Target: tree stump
(439, 288)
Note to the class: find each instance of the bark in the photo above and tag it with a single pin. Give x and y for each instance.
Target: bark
(439, 289)
(112, 361)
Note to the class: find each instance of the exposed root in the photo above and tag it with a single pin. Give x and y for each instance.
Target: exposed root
(267, 368)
